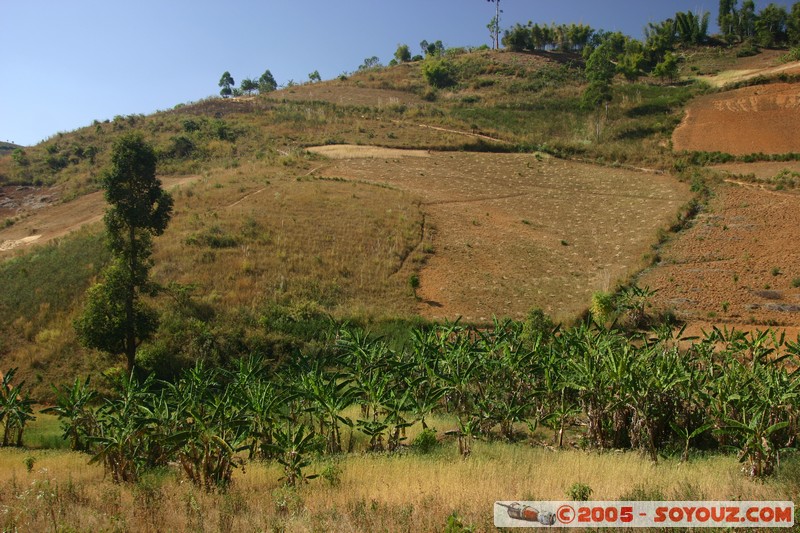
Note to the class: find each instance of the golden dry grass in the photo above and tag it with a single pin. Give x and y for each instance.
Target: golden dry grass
(256, 235)
(375, 492)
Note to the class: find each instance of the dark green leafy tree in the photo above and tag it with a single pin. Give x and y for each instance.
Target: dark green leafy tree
(314, 77)
(726, 19)
(519, 38)
(668, 68)
(438, 73)
(793, 25)
(746, 21)
(370, 63)
(600, 71)
(267, 83)
(431, 49)
(226, 82)
(690, 28)
(115, 319)
(249, 85)
(771, 26)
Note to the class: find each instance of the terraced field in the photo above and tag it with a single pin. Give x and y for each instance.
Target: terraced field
(756, 119)
(504, 233)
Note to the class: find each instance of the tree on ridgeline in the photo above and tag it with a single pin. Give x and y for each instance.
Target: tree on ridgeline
(770, 26)
(402, 54)
(249, 85)
(726, 19)
(494, 25)
(267, 83)
(226, 82)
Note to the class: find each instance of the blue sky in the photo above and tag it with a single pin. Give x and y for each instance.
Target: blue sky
(66, 63)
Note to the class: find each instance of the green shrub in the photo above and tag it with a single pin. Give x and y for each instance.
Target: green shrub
(602, 306)
(579, 492)
(438, 73)
(426, 442)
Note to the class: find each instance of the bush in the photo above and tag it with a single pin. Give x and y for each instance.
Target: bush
(537, 324)
(602, 306)
(438, 73)
(579, 492)
(426, 441)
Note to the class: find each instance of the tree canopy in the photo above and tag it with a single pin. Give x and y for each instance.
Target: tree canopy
(267, 83)
(226, 82)
(115, 319)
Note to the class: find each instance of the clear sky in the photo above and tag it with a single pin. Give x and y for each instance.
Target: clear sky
(64, 63)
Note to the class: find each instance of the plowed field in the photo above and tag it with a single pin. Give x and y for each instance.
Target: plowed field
(505, 233)
(764, 119)
(738, 264)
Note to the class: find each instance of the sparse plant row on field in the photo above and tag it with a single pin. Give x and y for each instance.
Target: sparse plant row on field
(726, 391)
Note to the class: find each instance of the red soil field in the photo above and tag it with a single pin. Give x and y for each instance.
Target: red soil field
(763, 118)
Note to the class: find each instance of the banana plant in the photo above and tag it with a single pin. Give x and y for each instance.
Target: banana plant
(756, 446)
(266, 405)
(653, 384)
(74, 408)
(213, 429)
(329, 393)
(121, 441)
(586, 351)
(292, 448)
(16, 409)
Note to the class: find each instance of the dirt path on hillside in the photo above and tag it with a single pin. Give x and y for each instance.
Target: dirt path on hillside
(48, 222)
(765, 64)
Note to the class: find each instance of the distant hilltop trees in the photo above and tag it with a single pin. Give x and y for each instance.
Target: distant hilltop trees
(265, 84)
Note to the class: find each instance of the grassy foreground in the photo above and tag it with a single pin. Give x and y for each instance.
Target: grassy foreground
(375, 492)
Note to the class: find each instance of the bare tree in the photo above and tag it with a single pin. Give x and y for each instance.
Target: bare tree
(494, 25)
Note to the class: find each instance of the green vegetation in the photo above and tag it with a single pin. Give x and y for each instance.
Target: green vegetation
(226, 82)
(115, 319)
(15, 409)
(645, 394)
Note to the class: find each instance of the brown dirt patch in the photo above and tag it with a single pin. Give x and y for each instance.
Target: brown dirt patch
(737, 264)
(41, 217)
(353, 151)
(343, 93)
(763, 119)
(504, 233)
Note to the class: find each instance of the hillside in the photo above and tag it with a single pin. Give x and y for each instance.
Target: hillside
(7, 148)
(496, 195)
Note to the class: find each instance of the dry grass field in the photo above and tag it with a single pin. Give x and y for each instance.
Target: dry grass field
(406, 492)
(251, 236)
(505, 233)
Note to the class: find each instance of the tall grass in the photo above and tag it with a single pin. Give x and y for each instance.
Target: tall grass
(365, 493)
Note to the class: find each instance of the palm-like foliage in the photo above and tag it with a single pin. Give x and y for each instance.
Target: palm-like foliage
(74, 407)
(16, 408)
(647, 393)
